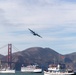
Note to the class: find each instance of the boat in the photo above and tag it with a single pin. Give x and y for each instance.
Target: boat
(7, 71)
(58, 70)
(4, 70)
(31, 68)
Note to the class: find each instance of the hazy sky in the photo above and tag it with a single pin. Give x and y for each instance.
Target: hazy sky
(54, 20)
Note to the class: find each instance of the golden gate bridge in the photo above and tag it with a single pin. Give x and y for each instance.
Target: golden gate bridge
(9, 60)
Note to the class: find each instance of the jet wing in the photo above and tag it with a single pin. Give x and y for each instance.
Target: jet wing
(35, 34)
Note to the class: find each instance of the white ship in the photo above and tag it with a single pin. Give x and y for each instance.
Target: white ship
(31, 68)
(4, 70)
(7, 71)
(56, 70)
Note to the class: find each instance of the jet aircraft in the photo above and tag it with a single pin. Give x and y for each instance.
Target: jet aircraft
(35, 34)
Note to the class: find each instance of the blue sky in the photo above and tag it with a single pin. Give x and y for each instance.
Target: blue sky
(54, 20)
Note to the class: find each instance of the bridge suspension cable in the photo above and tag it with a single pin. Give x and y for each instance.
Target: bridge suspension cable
(15, 48)
(3, 46)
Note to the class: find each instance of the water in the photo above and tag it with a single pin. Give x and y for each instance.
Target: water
(19, 73)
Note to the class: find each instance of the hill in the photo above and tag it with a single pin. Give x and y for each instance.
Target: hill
(70, 59)
(1, 56)
(43, 57)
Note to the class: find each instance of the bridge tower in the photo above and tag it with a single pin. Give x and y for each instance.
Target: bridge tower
(9, 55)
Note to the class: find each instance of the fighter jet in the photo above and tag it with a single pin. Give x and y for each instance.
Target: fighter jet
(35, 34)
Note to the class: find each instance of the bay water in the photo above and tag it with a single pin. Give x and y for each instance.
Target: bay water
(20, 73)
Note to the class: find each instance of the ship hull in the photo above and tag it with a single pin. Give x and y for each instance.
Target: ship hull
(32, 70)
(58, 73)
(7, 71)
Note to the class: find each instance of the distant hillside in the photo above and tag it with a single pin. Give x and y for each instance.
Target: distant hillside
(1, 56)
(71, 60)
(43, 57)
